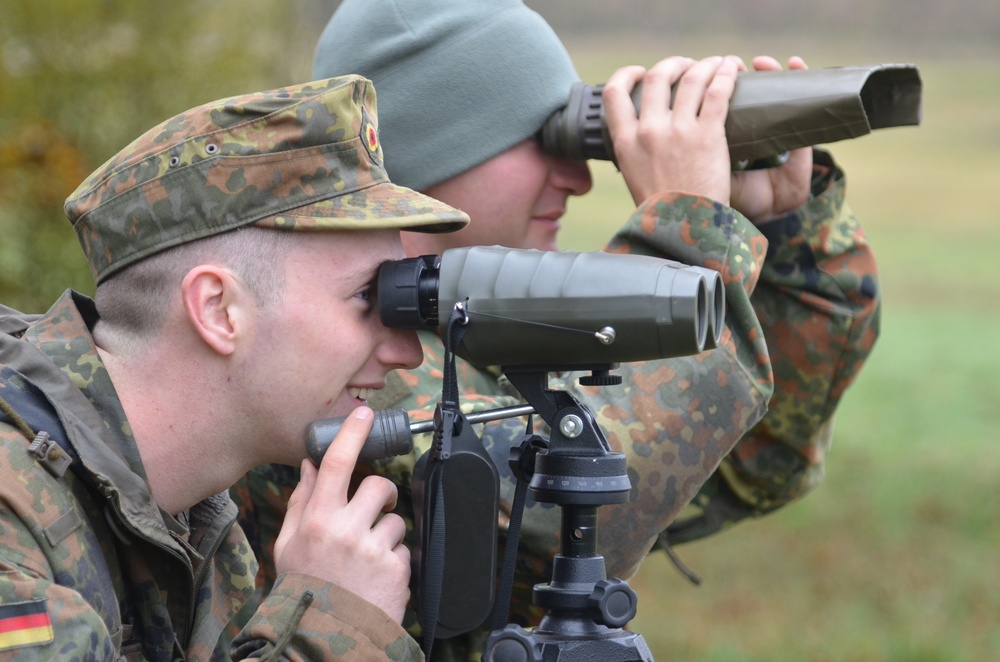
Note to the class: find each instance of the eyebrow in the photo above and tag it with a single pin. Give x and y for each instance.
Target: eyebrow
(362, 274)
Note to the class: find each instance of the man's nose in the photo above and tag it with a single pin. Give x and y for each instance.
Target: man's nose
(401, 349)
(572, 176)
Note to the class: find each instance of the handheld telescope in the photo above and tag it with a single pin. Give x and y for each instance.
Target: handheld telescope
(771, 112)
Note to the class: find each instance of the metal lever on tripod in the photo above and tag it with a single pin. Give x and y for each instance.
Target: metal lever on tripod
(392, 433)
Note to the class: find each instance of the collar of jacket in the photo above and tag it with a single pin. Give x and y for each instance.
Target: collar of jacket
(58, 355)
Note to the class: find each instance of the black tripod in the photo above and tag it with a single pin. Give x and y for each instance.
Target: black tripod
(585, 611)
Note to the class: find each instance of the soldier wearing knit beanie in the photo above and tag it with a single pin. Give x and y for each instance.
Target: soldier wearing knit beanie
(457, 82)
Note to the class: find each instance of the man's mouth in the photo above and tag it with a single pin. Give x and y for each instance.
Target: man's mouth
(548, 219)
(361, 393)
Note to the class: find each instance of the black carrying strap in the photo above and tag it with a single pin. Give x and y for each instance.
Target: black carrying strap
(505, 588)
(433, 572)
(23, 405)
(433, 575)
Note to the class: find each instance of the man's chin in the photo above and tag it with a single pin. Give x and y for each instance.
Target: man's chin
(544, 234)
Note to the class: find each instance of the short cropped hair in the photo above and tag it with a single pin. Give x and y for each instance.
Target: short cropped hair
(133, 304)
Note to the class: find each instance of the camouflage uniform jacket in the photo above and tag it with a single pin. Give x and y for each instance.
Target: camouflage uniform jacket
(92, 569)
(734, 432)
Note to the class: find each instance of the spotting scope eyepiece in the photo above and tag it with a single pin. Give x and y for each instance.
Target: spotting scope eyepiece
(557, 309)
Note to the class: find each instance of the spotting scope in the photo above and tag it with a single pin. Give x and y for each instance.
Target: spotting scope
(559, 309)
(552, 310)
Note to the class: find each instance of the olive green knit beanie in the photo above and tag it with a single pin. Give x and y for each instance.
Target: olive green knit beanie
(457, 81)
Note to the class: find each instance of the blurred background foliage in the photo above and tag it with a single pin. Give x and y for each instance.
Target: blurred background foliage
(79, 79)
(895, 555)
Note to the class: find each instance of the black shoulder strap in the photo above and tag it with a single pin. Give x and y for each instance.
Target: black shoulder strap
(22, 404)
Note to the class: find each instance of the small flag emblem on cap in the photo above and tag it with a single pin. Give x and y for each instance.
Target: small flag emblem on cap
(25, 624)
(371, 138)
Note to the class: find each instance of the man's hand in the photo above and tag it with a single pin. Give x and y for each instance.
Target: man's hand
(682, 148)
(762, 195)
(354, 542)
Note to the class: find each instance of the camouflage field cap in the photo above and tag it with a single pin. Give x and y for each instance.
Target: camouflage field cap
(305, 157)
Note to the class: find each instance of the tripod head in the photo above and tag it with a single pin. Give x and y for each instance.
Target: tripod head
(578, 470)
(578, 467)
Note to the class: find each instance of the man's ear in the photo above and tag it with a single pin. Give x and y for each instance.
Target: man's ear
(216, 305)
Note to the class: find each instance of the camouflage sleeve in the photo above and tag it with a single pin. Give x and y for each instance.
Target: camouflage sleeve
(818, 302)
(676, 419)
(304, 619)
(38, 616)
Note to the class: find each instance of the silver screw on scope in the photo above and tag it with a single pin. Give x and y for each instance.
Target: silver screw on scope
(571, 426)
(606, 336)
(460, 307)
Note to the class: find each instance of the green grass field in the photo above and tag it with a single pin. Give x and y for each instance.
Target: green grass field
(896, 556)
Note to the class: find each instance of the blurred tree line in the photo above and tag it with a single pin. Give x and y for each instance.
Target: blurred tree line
(926, 26)
(81, 79)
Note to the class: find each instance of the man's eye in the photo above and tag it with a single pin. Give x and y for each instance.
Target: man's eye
(366, 294)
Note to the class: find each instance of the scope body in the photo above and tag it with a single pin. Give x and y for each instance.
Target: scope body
(559, 309)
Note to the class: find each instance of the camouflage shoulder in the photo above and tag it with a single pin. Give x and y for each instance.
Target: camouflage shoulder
(697, 231)
(57, 571)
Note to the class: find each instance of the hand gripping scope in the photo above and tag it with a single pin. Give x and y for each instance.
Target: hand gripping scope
(770, 112)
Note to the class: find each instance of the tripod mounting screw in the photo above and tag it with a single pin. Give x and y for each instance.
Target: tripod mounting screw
(613, 602)
(571, 426)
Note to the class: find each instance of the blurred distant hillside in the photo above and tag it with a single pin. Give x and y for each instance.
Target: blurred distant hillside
(958, 28)
(929, 27)
(79, 80)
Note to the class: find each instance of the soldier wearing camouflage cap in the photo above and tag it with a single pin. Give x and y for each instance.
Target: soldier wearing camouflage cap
(711, 440)
(235, 248)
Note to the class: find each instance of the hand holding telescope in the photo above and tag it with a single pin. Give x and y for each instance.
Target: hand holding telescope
(770, 113)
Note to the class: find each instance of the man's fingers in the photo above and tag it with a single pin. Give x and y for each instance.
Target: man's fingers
(765, 63)
(768, 63)
(375, 495)
(390, 530)
(657, 84)
(334, 478)
(691, 87)
(796, 62)
(715, 105)
(296, 504)
(617, 102)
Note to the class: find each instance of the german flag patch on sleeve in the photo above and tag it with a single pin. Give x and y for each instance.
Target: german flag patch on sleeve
(25, 624)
